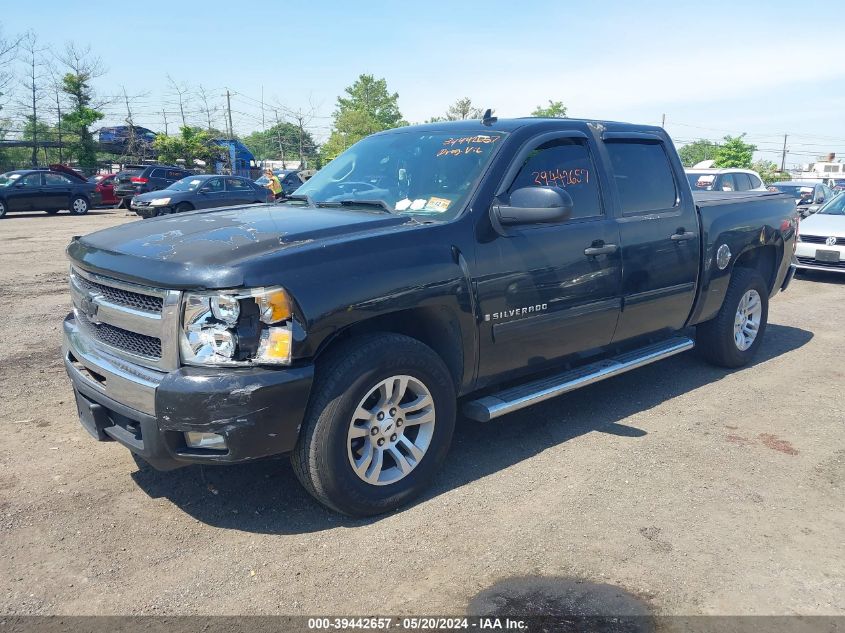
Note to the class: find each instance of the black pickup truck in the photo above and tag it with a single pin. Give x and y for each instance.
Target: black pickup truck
(489, 264)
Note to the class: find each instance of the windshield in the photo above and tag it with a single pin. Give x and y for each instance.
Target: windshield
(8, 178)
(413, 172)
(796, 191)
(835, 207)
(191, 183)
(701, 182)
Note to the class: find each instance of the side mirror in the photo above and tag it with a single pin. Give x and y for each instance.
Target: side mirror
(535, 205)
(19, 185)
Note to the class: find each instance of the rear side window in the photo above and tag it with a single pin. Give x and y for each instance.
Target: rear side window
(755, 182)
(56, 180)
(743, 182)
(236, 184)
(643, 175)
(157, 173)
(564, 163)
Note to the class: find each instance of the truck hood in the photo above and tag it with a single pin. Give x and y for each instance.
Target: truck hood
(823, 225)
(209, 249)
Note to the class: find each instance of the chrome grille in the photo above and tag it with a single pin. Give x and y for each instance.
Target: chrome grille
(818, 239)
(131, 342)
(131, 321)
(117, 296)
(811, 261)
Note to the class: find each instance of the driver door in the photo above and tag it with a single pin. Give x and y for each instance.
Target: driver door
(547, 291)
(26, 193)
(211, 194)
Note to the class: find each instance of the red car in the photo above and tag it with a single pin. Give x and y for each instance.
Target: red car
(105, 185)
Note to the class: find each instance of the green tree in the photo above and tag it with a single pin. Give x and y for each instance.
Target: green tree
(81, 113)
(769, 171)
(697, 151)
(281, 142)
(735, 152)
(555, 110)
(368, 107)
(191, 144)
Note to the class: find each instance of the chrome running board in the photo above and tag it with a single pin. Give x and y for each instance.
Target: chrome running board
(516, 398)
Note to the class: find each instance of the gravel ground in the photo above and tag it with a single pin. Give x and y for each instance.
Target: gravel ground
(700, 490)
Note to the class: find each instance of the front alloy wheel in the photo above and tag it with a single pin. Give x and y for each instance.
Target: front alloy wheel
(391, 430)
(747, 320)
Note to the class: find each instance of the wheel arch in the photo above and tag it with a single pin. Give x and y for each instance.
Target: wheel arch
(435, 326)
(763, 259)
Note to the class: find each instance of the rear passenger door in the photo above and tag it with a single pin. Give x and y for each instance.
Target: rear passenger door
(658, 227)
(725, 182)
(238, 191)
(57, 190)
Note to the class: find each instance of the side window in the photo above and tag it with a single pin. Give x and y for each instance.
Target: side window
(157, 173)
(726, 183)
(236, 184)
(56, 180)
(755, 182)
(743, 182)
(214, 185)
(643, 175)
(564, 163)
(32, 180)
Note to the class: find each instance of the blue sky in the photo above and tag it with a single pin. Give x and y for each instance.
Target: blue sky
(713, 68)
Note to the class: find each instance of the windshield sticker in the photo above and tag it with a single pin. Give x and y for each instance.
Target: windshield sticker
(437, 204)
(705, 181)
(561, 177)
(14, 176)
(473, 149)
(418, 204)
(402, 205)
(481, 139)
(195, 182)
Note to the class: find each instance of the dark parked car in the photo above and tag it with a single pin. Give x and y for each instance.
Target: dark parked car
(291, 180)
(104, 185)
(503, 262)
(118, 139)
(200, 192)
(49, 190)
(809, 195)
(137, 179)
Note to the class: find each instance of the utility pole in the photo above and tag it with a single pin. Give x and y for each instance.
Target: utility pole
(663, 121)
(229, 108)
(164, 114)
(279, 137)
(59, 124)
(301, 135)
(783, 156)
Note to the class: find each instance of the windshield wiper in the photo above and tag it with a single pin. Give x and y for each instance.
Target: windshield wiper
(375, 203)
(303, 197)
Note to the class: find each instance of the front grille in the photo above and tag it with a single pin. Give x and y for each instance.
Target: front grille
(130, 342)
(814, 262)
(818, 239)
(118, 296)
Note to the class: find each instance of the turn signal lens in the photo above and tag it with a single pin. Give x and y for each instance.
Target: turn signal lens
(275, 346)
(274, 306)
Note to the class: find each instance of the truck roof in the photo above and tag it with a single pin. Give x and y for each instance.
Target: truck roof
(510, 125)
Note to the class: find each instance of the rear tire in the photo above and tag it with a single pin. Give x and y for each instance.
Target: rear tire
(733, 336)
(79, 206)
(3, 209)
(378, 425)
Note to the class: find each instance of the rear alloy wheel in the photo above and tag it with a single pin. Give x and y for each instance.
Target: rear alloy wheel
(2, 209)
(733, 336)
(79, 206)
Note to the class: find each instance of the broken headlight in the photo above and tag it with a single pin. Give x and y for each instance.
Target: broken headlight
(238, 328)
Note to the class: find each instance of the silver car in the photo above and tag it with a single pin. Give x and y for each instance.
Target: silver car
(821, 238)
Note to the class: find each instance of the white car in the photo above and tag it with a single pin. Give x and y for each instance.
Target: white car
(724, 179)
(821, 238)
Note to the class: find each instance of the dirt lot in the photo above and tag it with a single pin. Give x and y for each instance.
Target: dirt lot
(700, 490)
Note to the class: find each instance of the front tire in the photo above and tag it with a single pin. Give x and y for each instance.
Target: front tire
(183, 207)
(79, 206)
(3, 209)
(732, 338)
(378, 425)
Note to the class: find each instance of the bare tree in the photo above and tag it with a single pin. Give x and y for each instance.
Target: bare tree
(209, 111)
(32, 82)
(302, 118)
(180, 92)
(8, 52)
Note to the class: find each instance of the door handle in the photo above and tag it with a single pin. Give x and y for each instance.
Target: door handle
(683, 237)
(604, 249)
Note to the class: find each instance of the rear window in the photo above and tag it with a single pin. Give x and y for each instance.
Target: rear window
(126, 174)
(643, 176)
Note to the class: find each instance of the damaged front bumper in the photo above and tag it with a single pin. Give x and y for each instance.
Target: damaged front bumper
(258, 411)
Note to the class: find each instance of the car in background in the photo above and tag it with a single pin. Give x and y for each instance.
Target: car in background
(104, 184)
(50, 190)
(119, 139)
(291, 180)
(137, 179)
(838, 184)
(821, 238)
(724, 179)
(200, 192)
(809, 195)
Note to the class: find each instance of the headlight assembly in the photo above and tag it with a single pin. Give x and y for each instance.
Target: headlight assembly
(241, 328)
(159, 202)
